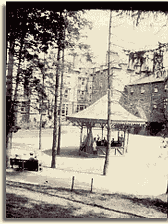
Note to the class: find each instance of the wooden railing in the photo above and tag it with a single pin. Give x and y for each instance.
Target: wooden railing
(120, 150)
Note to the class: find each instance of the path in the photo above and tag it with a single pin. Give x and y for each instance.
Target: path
(32, 188)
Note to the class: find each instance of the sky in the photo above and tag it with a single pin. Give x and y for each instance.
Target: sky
(124, 33)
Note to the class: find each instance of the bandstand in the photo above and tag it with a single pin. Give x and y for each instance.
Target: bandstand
(96, 116)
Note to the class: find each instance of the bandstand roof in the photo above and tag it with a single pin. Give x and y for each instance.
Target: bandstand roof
(97, 113)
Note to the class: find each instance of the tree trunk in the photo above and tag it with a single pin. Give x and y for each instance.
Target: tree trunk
(41, 110)
(17, 84)
(60, 116)
(55, 111)
(9, 106)
(40, 131)
(106, 164)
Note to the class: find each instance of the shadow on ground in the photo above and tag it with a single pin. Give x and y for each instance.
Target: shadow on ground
(23, 207)
(157, 204)
(72, 152)
(84, 197)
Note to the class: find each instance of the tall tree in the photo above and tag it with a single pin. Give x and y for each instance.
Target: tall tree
(60, 106)
(109, 102)
(9, 107)
(59, 43)
(35, 28)
(23, 24)
(70, 23)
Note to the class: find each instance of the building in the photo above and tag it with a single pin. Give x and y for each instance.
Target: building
(149, 93)
(140, 85)
(120, 76)
(84, 89)
(76, 95)
(148, 84)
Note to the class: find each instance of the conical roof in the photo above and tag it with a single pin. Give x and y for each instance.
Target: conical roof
(99, 112)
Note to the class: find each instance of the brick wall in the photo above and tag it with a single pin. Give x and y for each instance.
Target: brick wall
(100, 85)
(121, 76)
(150, 97)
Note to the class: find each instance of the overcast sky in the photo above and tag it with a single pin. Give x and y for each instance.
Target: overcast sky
(124, 33)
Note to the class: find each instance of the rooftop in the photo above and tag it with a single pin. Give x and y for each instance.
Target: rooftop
(147, 79)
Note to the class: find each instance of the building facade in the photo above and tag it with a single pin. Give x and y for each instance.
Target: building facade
(140, 84)
(150, 94)
(120, 75)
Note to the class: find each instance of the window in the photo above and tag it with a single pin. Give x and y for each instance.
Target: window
(165, 102)
(66, 109)
(155, 89)
(66, 91)
(82, 92)
(83, 79)
(80, 107)
(166, 86)
(23, 106)
(142, 89)
(132, 90)
(63, 112)
(83, 83)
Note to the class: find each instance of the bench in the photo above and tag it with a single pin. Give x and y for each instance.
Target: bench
(29, 164)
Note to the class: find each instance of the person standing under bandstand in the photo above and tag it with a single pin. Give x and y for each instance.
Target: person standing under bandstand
(94, 146)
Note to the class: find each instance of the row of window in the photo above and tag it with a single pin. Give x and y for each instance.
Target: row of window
(81, 92)
(165, 103)
(64, 110)
(142, 89)
(82, 79)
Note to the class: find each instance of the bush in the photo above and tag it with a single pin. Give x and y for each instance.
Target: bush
(156, 128)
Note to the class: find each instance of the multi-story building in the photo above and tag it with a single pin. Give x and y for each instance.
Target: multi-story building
(84, 89)
(142, 82)
(76, 95)
(148, 84)
(120, 76)
(150, 94)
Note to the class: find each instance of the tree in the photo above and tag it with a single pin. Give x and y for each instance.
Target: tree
(60, 107)
(59, 43)
(34, 29)
(68, 33)
(109, 102)
(24, 24)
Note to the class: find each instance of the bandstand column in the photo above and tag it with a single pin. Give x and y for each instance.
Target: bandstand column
(81, 135)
